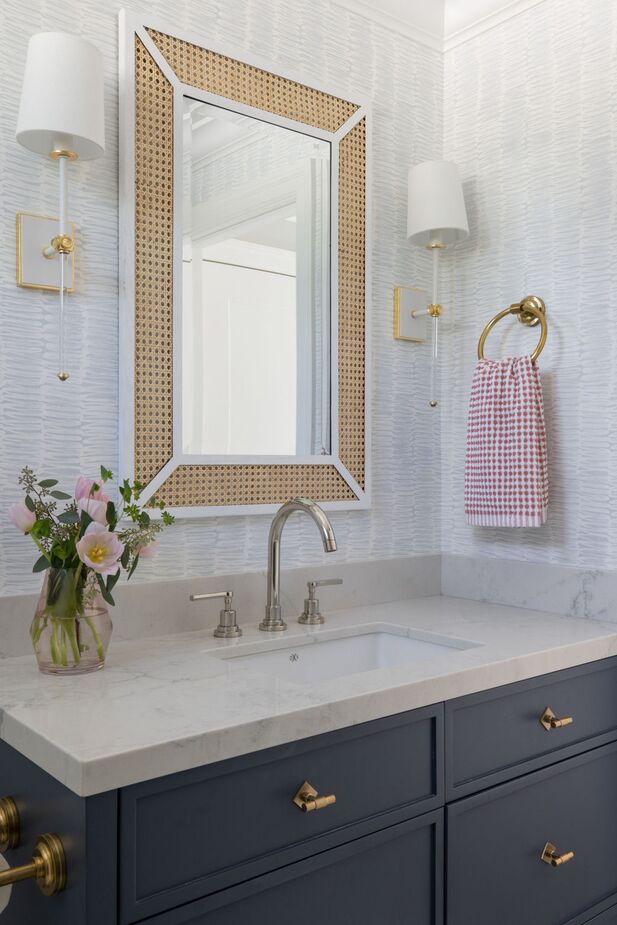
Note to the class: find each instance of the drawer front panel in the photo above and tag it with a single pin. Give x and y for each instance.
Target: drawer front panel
(495, 842)
(191, 834)
(496, 735)
(393, 876)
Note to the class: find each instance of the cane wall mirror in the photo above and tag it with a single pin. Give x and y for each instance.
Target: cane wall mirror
(243, 281)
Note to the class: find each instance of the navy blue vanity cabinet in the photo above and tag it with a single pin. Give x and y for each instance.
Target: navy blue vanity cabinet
(607, 918)
(442, 817)
(88, 830)
(392, 877)
(234, 820)
(496, 840)
(496, 735)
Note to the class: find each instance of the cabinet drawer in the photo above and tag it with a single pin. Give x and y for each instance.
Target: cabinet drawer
(495, 842)
(190, 834)
(496, 735)
(393, 876)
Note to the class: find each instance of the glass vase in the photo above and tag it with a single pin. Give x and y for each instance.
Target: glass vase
(71, 628)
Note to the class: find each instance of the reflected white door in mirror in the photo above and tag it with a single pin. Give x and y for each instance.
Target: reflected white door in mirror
(255, 295)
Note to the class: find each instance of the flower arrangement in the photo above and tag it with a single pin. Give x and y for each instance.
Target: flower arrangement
(83, 550)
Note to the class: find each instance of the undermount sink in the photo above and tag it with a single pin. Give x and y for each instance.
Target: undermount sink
(327, 654)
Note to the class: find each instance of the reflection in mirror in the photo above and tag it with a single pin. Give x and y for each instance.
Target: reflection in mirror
(256, 287)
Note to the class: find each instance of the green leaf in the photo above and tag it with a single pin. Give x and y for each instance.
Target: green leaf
(144, 518)
(84, 522)
(69, 517)
(168, 519)
(41, 564)
(125, 557)
(60, 495)
(41, 529)
(110, 515)
(112, 581)
(48, 483)
(29, 503)
(106, 474)
(133, 567)
(104, 592)
(132, 511)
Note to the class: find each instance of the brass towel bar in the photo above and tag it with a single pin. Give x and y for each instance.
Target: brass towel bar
(530, 311)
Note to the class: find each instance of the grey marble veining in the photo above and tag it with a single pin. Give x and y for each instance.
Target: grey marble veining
(165, 704)
(590, 594)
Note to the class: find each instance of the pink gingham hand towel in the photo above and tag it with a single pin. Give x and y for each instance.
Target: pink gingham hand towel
(506, 474)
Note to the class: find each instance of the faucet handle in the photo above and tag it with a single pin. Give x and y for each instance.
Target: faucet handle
(311, 615)
(228, 627)
(323, 583)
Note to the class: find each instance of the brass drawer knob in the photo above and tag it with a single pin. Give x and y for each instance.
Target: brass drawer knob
(550, 721)
(9, 824)
(47, 867)
(307, 799)
(550, 855)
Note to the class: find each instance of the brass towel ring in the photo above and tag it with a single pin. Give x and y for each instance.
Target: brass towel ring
(530, 311)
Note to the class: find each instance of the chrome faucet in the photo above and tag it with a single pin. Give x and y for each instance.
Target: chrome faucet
(273, 621)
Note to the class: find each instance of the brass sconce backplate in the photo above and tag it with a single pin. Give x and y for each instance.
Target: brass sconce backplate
(34, 270)
(407, 326)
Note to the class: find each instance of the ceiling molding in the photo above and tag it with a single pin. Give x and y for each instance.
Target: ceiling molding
(506, 10)
(473, 21)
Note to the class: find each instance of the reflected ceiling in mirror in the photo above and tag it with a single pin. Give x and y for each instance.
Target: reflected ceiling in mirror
(255, 313)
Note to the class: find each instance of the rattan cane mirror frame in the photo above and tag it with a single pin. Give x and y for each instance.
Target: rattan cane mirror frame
(157, 69)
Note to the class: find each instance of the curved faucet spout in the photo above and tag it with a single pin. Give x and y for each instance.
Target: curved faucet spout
(273, 621)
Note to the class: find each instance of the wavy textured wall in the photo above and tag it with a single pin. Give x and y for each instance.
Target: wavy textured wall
(66, 429)
(531, 118)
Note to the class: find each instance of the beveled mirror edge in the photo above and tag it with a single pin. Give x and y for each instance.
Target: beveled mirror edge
(357, 496)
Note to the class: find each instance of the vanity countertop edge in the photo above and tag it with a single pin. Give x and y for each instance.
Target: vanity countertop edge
(164, 704)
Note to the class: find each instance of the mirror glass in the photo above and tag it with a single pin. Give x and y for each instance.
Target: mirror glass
(256, 287)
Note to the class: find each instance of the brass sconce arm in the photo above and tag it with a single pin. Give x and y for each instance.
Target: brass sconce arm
(60, 244)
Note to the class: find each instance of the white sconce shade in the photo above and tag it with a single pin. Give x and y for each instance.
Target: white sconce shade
(436, 213)
(62, 97)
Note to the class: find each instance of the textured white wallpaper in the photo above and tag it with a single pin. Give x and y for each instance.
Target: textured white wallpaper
(531, 118)
(66, 429)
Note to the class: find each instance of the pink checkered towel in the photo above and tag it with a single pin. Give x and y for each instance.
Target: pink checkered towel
(506, 479)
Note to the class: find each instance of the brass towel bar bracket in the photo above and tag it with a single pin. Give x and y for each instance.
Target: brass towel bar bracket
(530, 311)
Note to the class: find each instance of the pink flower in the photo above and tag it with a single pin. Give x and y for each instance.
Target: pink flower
(96, 509)
(100, 550)
(149, 551)
(83, 489)
(21, 517)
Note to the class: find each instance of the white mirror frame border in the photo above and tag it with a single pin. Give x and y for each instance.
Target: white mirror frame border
(129, 27)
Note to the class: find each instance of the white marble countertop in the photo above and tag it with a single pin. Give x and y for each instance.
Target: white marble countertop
(165, 704)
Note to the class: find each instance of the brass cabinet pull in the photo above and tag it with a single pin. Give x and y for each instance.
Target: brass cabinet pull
(550, 721)
(9, 824)
(549, 855)
(307, 799)
(47, 867)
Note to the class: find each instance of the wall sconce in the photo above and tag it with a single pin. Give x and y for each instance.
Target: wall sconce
(60, 116)
(436, 219)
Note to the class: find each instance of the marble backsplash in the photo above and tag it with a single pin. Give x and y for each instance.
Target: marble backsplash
(159, 608)
(573, 592)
